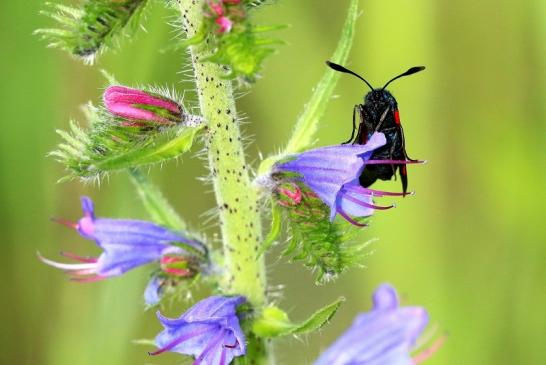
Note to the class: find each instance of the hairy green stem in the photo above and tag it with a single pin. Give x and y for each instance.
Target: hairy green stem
(155, 203)
(244, 267)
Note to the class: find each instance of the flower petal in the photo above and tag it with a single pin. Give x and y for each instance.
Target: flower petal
(209, 331)
(152, 294)
(384, 336)
(326, 170)
(120, 258)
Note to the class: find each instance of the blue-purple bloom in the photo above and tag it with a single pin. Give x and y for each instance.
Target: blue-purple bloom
(332, 174)
(386, 335)
(127, 244)
(209, 331)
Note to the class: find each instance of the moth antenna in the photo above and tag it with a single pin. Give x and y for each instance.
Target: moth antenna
(336, 67)
(411, 71)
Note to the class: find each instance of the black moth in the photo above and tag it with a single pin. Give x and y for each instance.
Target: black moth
(379, 113)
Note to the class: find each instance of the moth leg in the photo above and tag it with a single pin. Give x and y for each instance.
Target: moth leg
(404, 145)
(355, 109)
(403, 177)
(382, 119)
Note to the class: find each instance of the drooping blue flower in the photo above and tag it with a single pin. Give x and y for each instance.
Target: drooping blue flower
(332, 174)
(208, 331)
(127, 244)
(386, 335)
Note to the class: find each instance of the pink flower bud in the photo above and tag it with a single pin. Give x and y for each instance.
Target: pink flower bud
(290, 197)
(224, 23)
(216, 8)
(176, 265)
(138, 105)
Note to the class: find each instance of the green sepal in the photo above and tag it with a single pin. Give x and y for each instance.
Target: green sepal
(326, 248)
(87, 31)
(274, 322)
(108, 145)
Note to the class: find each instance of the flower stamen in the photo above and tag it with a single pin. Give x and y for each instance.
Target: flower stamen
(65, 222)
(78, 257)
(428, 352)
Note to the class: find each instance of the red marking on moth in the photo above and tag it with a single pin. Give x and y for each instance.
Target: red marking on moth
(404, 171)
(396, 117)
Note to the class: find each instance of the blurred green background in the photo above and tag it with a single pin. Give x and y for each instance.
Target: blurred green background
(470, 246)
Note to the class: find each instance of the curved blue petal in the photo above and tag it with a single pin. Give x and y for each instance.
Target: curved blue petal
(153, 291)
(383, 336)
(209, 331)
(120, 258)
(88, 207)
(326, 170)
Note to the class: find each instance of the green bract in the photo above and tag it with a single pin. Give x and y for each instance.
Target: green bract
(327, 248)
(87, 31)
(274, 322)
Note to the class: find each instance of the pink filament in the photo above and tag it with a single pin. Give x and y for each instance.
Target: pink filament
(372, 192)
(349, 219)
(428, 352)
(68, 267)
(79, 258)
(89, 279)
(392, 162)
(65, 222)
(364, 204)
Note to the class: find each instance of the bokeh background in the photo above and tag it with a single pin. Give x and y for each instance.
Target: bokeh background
(470, 246)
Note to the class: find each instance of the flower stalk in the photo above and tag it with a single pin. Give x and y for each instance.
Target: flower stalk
(244, 268)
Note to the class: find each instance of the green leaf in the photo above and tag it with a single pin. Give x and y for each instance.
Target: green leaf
(275, 230)
(159, 209)
(274, 322)
(304, 132)
(91, 29)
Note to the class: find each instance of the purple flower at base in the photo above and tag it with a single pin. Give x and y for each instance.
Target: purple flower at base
(126, 244)
(209, 331)
(141, 107)
(386, 335)
(332, 174)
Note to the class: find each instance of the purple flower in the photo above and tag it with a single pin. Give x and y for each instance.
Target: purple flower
(127, 244)
(140, 107)
(384, 336)
(332, 174)
(209, 331)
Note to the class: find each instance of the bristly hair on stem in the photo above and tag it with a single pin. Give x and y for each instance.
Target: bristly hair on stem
(87, 31)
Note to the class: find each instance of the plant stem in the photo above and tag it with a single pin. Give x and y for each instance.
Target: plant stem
(244, 268)
(156, 205)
